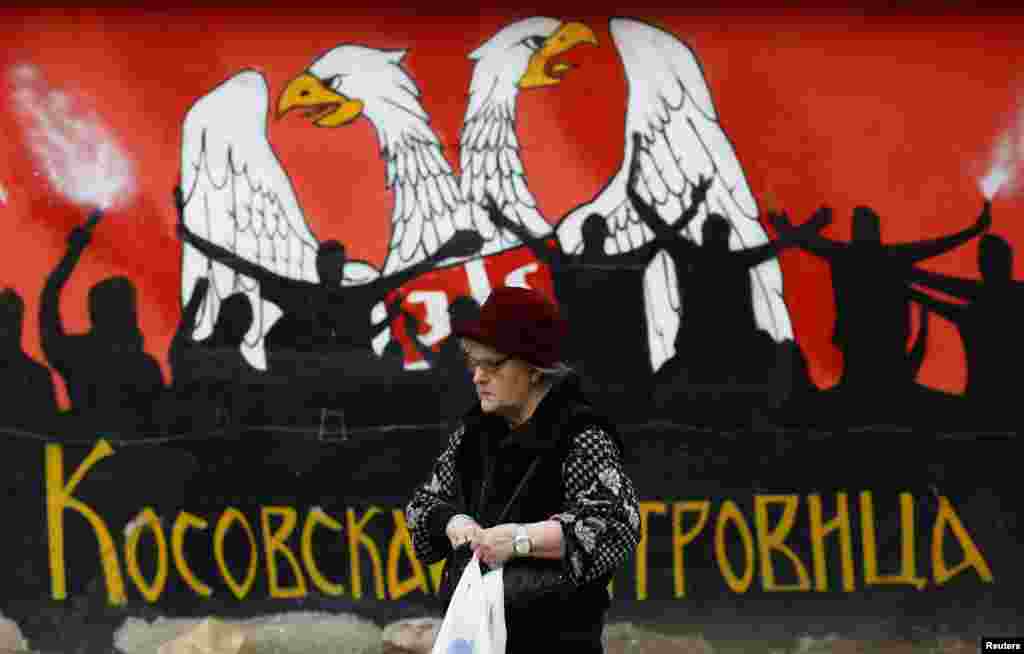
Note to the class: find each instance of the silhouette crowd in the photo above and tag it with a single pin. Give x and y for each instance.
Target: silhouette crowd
(726, 370)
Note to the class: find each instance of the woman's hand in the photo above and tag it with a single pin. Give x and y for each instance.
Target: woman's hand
(461, 530)
(495, 545)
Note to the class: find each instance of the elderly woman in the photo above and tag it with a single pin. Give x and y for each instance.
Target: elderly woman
(532, 481)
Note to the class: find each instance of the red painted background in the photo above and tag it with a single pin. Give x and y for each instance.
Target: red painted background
(897, 112)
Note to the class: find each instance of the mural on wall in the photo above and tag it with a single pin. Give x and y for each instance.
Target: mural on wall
(243, 227)
(275, 253)
(818, 553)
(674, 237)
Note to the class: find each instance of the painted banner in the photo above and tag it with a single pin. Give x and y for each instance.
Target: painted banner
(237, 241)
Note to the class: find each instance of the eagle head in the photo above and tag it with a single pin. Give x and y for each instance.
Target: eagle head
(350, 81)
(524, 55)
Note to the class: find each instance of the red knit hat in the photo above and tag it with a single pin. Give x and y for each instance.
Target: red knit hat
(520, 322)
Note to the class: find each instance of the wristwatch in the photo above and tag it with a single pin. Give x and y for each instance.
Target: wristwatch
(521, 542)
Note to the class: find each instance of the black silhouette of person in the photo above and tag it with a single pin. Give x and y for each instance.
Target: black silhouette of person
(869, 281)
(719, 345)
(111, 381)
(595, 289)
(326, 316)
(211, 377)
(991, 340)
(29, 401)
(456, 392)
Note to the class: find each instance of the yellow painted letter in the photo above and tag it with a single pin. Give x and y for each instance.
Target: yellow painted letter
(641, 548)
(908, 560)
(681, 539)
(314, 518)
(151, 591)
(181, 523)
(58, 498)
(402, 541)
(356, 537)
(731, 513)
(273, 544)
(821, 529)
(972, 555)
(769, 540)
(230, 516)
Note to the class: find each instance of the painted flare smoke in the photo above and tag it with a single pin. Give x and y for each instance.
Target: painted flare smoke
(73, 148)
(1004, 168)
(1001, 172)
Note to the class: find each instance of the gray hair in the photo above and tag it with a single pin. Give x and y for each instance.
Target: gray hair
(554, 374)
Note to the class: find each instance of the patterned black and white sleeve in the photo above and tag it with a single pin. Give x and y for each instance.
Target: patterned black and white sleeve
(601, 513)
(433, 504)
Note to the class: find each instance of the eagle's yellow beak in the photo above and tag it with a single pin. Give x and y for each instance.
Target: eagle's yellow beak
(541, 71)
(326, 108)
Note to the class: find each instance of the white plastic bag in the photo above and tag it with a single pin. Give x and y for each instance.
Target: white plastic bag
(475, 621)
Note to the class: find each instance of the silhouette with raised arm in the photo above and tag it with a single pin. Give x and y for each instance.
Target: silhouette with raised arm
(710, 272)
(992, 344)
(869, 281)
(29, 401)
(718, 345)
(456, 391)
(595, 233)
(327, 315)
(111, 381)
(586, 284)
(212, 374)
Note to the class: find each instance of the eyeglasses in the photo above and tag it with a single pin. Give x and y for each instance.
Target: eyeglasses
(489, 366)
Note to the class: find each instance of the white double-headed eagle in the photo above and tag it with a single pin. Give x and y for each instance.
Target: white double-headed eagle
(238, 196)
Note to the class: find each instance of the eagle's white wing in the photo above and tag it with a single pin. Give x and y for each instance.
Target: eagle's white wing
(490, 165)
(239, 197)
(670, 106)
(428, 204)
